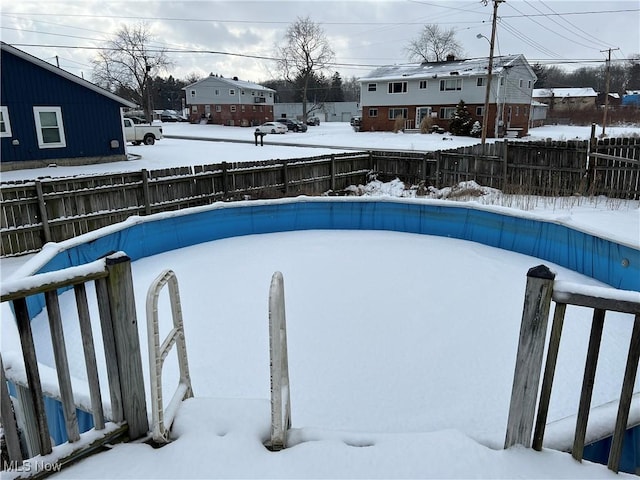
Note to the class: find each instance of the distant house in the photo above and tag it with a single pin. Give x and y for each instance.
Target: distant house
(50, 116)
(566, 99)
(229, 101)
(326, 111)
(433, 89)
(537, 114)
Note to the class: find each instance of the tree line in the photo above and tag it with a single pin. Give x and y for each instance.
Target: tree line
(622, 76)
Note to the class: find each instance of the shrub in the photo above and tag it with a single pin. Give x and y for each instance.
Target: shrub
(461, 122)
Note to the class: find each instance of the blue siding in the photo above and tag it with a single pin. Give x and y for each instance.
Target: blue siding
(90, 120)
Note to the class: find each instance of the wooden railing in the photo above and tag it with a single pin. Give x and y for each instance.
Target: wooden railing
(128, 412)
(540, 291)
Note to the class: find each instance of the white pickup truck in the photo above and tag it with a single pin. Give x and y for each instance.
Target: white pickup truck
(141, 133)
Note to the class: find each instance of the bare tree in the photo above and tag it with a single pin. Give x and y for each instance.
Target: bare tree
(434, 44)
(127, 64)
(305, 52)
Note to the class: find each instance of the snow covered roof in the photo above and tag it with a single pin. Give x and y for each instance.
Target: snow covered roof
(538, 104)
(466, 67)
(232, 82)
(563, 92)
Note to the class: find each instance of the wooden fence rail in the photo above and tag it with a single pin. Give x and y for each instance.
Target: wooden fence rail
(45, 210)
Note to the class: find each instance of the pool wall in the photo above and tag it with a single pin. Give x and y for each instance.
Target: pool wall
(614, 263)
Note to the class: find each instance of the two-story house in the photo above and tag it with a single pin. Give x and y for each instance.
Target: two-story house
(229, 101)
(413, 91)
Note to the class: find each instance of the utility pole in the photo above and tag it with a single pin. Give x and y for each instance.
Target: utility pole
(606, 95)
(485, 113)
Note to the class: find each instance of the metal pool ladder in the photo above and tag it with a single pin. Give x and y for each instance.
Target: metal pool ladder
(161, 418)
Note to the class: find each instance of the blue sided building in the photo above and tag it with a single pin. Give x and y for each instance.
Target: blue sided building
(50, 116)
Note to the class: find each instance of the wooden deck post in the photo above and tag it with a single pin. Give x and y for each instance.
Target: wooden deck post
(526, 379)
(127, 344)
(42, 209)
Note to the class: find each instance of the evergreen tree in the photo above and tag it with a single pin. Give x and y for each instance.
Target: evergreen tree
(461, 123)
(335, 93)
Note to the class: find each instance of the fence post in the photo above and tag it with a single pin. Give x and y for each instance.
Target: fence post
(505, 157)
(526, 378)
(42, 208)
(285, 177)
(127, 343)
(225, 186)
(437, 179)
(145, 191)
(332, 168)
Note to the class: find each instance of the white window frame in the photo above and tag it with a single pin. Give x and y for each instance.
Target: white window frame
(391, 89)
(423, 84)
(5, 121)
(372, 87)
(393, 112)
(58, 112)
(481, 81)
(232, 91)
(218, 108)
(447, 110)
(373, 112)
(193, 93)
(232, 108)
(457, 85)
(479, 111)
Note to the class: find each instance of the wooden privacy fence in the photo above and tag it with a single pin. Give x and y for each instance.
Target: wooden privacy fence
(114, 292)
(36, 212)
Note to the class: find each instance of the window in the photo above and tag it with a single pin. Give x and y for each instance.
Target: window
(450, 84)
(529, 84)
(232, 108)
(5, 124)
(49, 127)
(193, 93)
(372, 87)
(242, 92)
(423, 84)
(232, 91)
(447, 112)
(481, 81)
(517, 111)
(521, 83)
(397, 112)
(218, 108)
(194, 109)
(242, 108)
(216, 92)
(373, 112)
(479, 111)
(397, 87)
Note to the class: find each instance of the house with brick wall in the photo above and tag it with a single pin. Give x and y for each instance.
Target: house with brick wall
(433, 89)
(229, 101)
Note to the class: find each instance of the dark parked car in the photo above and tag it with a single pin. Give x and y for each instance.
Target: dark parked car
(291, 124)
(313, 121)
(171, 117)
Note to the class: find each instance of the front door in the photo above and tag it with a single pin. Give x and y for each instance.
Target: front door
(422, 112)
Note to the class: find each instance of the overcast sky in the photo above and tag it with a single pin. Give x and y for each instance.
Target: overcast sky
(363, 34)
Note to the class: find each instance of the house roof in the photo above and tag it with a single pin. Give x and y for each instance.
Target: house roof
(232, 82)
(466, 67)
(63, 73)
(563, 92)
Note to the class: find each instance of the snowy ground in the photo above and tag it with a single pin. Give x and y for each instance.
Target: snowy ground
(401, 346)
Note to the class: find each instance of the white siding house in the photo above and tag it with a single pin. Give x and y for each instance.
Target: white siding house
(229, 101)
(435, 88)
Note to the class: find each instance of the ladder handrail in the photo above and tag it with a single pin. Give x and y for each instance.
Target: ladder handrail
(161, 418)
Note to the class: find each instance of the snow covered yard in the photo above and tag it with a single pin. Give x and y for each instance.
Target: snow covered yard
(401, 349)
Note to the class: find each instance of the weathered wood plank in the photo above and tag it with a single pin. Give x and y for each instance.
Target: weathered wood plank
(62, 365)
(531, 345)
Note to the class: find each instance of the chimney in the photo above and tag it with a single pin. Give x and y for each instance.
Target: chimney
(451, 57)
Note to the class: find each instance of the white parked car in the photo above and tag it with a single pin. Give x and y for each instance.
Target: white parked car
(272, 127)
